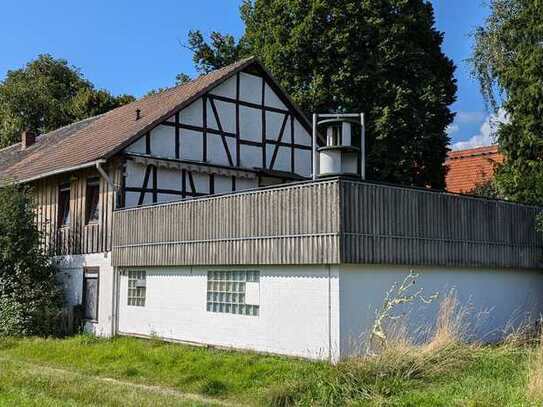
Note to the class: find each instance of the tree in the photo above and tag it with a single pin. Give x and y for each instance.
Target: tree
(30, 302)
(381, 57)
(223, 50)
(508, 62)
(48, 94)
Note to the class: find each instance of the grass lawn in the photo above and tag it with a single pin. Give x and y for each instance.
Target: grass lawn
(85, 371)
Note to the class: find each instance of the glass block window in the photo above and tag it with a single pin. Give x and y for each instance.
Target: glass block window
(226, 291)
(136, 288)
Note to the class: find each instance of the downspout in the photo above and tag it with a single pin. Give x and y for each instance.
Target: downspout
(329, 314)
(104, 175)
(115, 284)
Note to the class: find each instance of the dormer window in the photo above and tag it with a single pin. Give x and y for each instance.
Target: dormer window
(64, 205)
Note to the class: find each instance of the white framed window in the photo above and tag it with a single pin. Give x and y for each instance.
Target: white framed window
(136, 288)
(234, 292)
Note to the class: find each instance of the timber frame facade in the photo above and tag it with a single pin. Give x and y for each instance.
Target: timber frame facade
(232, 130)
(239, 135)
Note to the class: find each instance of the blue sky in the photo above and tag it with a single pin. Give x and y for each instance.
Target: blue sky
(132, 47)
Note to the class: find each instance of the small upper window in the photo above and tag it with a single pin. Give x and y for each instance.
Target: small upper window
(64, 205)
(92, 199)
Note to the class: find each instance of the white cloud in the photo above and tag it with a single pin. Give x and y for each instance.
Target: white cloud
(452, 128)
(469, 117)
(486, 137)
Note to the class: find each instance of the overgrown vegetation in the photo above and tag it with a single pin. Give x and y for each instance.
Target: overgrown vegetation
(30, 302)
(452, 375)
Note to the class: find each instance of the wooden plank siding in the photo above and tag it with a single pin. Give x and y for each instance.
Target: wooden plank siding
(283, 225)
(330, 222)
(77, 237)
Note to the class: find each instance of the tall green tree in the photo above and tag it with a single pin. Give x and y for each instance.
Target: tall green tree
(381, 57)
(47, 94)
(30, 301)
(508, 61)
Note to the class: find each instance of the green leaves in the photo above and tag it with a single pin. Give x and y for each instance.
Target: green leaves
(508, 62)
(29, 299)
(48, 94)
(381, 57)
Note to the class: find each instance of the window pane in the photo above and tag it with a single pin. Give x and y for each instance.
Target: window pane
(90, 298)
(227, 295)
(92, 199)
(64, 205)
(136, 288)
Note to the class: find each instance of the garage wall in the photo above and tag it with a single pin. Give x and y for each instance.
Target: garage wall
(298, 312)
(494, 299)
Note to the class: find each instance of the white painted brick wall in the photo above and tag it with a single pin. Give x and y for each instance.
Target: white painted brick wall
(299, 313)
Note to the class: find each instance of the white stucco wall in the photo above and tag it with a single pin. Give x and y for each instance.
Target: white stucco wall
(494, 299)
(308, 311)
(169, 179)
(299, 312)
(70, 276)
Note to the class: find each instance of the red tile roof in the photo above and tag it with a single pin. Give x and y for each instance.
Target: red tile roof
(107, 134)
(472, 167)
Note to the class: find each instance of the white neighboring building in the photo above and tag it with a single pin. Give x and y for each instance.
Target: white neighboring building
(189, 215)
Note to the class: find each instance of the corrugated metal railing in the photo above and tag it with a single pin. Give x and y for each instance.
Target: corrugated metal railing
(330, 221)
(395, 225)
(296, 224)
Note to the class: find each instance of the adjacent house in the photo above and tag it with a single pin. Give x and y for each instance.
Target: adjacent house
(192, 215)
(471, 168)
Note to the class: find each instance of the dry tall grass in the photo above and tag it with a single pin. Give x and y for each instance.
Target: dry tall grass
(445, 349)
(535, 373)
(380, 373)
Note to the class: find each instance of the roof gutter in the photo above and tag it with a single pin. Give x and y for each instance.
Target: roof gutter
(62, 171)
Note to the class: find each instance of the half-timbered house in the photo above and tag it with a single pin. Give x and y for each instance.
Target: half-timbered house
(191, 214)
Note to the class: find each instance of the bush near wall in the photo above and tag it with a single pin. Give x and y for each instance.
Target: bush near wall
(30, 301)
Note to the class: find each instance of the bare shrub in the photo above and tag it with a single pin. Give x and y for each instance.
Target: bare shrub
(527, 332)
(388, 327)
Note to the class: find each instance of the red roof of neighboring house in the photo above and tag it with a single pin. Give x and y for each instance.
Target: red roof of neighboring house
(472, 167)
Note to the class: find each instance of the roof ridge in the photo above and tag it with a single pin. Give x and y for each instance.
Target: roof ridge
(10, 146)
(41, 135)
(199, 77)
(107, 134)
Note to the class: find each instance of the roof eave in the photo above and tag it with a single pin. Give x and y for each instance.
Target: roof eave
(60, 171)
